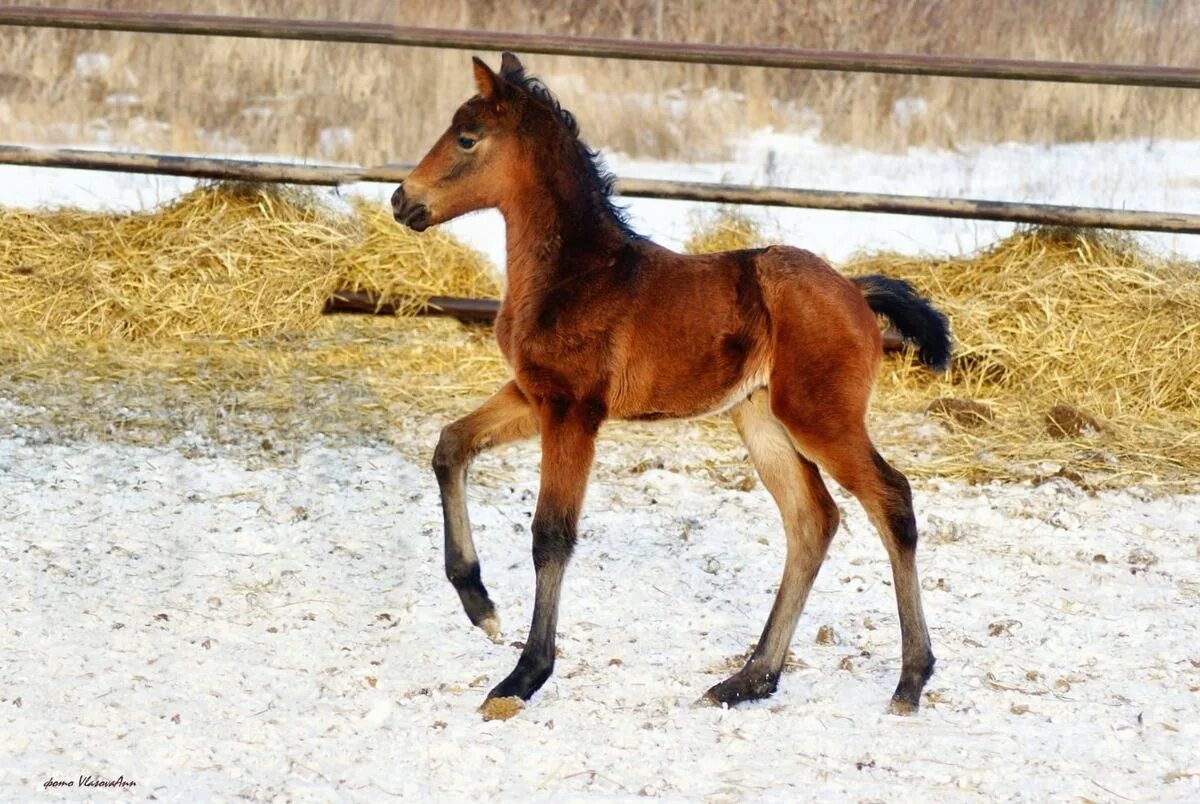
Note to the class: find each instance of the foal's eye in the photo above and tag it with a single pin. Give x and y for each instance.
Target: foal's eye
(467, 142)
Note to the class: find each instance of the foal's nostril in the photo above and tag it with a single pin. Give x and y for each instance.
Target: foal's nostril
(415, 217)
(408, 211)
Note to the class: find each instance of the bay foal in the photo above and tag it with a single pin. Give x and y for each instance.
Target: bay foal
(598, 322)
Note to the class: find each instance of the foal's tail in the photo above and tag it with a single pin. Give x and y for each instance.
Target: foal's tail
(915, 318)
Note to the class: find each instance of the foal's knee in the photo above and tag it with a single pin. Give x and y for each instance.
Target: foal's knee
(553, 539)
(450, 453)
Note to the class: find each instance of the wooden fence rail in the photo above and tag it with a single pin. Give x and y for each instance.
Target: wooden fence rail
(383, 34)
(334, 175)
(696, 53)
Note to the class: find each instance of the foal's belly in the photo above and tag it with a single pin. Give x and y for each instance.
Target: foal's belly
(685, 397)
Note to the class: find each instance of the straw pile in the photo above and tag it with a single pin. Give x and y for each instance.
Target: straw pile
(725, 229)
(407, 268)
(211, 306)
(1077, 353)
(225, 261)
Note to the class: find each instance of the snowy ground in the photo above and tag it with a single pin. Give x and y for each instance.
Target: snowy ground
(1153, 175)
(222, 625)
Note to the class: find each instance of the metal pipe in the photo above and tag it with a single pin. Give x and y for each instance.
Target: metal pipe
(684, 52)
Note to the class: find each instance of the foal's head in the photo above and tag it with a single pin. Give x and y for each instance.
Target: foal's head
(511, 137)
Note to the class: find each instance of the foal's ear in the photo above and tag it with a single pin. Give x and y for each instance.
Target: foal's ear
(490, 85)
(511, 68)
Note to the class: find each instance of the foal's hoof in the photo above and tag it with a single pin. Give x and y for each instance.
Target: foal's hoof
(501, 708)
(739, 688)
(491, 626)
(906, 700)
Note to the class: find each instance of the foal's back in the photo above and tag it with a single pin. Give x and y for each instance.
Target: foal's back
(702, 331)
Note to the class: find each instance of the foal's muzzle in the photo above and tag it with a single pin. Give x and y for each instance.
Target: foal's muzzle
(412, 214)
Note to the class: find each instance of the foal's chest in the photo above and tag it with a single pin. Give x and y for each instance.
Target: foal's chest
(558, 360)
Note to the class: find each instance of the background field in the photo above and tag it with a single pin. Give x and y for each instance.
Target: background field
(376, 104)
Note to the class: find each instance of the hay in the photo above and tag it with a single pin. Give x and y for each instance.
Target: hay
(724, 229)
(205, 316)
(208, 311)
(232, 262)
(224, 261)
(1052, 318)
(407, 268)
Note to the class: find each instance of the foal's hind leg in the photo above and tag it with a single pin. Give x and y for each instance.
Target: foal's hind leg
(844, 450)
(810, 519)
(505, 417)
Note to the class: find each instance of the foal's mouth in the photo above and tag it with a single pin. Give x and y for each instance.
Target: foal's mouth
(415, 217)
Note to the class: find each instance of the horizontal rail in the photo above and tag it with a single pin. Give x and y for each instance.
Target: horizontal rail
(464, 309)
(334, 175)
(199, 167)
(686, 52)
(968, 208)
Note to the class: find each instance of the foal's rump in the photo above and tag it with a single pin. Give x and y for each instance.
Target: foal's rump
(830, 305)
(825, 340)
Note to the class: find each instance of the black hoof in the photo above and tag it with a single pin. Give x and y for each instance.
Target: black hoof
(906, 700)
(476, 603)
(740, 687)
(526, 679)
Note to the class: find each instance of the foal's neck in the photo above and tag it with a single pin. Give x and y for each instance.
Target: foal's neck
(558, 229)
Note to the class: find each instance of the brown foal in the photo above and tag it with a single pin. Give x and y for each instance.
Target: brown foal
(598, 322)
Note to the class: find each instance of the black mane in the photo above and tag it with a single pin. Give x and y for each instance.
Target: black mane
(600, 177)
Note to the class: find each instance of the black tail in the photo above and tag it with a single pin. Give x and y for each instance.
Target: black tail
(916, 319)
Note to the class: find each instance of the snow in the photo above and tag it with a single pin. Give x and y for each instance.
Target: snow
(212, 624)
(92, 65)
(1145, 174)
(1158, 175)
(334, 139)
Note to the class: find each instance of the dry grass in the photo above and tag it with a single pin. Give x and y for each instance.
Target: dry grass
(408, 268)
(370, 105)
(205, 316)
(725, 229)
(230, 261)
(213, 304)
(1057, 326)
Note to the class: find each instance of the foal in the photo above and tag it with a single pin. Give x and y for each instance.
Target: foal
(598, 322)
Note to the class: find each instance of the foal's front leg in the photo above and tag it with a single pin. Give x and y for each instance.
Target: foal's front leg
(505, 417)
(568, 445)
